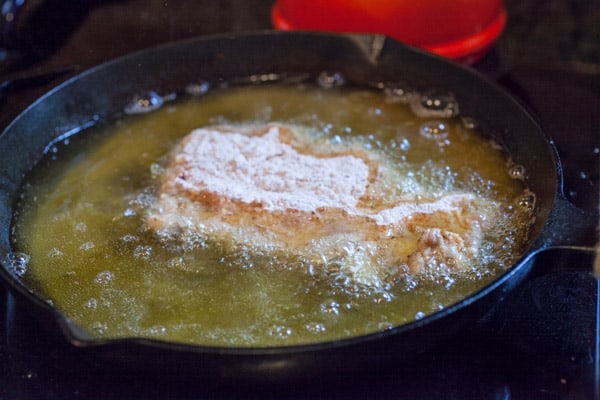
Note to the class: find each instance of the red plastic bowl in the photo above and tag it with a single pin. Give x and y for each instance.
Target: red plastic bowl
(463, 30)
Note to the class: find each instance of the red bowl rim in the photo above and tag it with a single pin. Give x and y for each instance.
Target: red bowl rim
(467, 49)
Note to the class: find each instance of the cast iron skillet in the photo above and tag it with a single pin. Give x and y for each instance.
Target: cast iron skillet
(103, 92)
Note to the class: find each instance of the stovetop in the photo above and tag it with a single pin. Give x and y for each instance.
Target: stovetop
(541, 344)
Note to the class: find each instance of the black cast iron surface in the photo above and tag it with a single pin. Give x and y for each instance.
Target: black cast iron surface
(539, 345)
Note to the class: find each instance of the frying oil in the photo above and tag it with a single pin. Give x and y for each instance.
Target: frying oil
(81, 228)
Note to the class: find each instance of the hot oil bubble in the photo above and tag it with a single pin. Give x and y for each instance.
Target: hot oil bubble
(330, 307)
(527, 200)
(517, 171)
(198, 89)
(18, 263)
(397, 92)
(434, 130)
(404, 144)
(176, 262)
(87, 246)
(469, 123)
(158, 330)
(434, 104)
(382, 297)
(328, 80)
(336, 140)
(448, 281)
(80, 227)
(144, 199)
(262, 78)
(104, 277)
(280, 331)
(585, 175)
(401, 143)
(92, 304)
(384, 326)
(99, 327)
(144, 103)
(129, 238)
(374, 111)
(143, 252)
(315, 327)
(156, 170)
(55, 253)
(374, 142)
(327, 128)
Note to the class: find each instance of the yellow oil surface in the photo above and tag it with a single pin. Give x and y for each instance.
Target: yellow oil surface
(81, 222)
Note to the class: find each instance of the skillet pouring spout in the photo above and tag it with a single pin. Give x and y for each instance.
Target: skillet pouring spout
(85, 100)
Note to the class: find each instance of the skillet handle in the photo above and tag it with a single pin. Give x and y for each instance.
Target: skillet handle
(559, 259)
(568, 226)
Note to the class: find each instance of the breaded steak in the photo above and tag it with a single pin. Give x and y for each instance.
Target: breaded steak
(273, 188)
